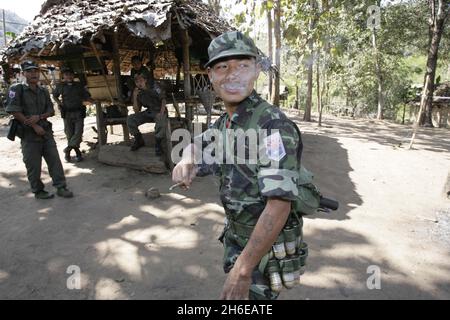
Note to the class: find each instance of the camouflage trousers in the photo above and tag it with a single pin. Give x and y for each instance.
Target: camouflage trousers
(137, 119)
(260, 286)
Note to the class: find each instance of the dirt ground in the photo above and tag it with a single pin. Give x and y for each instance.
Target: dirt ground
(393, 216)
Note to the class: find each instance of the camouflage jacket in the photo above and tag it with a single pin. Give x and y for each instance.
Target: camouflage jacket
(245, 187)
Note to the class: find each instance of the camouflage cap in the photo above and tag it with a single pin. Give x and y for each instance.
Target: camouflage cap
(29, 65)
(230, 44)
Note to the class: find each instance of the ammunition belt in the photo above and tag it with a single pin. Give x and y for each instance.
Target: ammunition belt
(286, 260)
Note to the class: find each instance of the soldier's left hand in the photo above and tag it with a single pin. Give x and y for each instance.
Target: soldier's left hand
(31, 120)
(236, 286)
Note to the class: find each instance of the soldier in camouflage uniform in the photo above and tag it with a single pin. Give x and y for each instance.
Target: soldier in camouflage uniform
(152, 97)
(256, 197)
(30, 104)
(72, 111)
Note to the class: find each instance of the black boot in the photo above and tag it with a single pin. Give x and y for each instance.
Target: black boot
(158, 147)
(67, 153)
(138, 142)
(79, 156)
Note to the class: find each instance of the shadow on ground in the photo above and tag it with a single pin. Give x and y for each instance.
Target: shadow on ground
(128, 247)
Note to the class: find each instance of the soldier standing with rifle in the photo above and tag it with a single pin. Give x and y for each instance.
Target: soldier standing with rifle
(30, 104)
(72, 111)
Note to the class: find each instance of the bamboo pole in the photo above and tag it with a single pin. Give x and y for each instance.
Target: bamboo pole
(46, 78)
(41, 51)
(24, 56)
(116, 65)
(187, 77)
(419, 116)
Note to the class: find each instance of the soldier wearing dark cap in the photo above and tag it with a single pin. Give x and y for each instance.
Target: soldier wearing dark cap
(72, 110)
(30, 104)
(137, 68)
(257, 196)
(151, 96)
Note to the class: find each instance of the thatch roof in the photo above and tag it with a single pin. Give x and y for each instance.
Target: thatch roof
(72, 22)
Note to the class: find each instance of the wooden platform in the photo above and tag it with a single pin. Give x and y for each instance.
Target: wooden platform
(120, 155)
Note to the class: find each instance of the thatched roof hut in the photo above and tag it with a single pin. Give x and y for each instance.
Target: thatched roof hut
(98, 38)
(64, 30)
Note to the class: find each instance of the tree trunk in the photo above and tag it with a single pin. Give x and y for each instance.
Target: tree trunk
(436, 28)
(379, 77)
(296, 95)
(312, 25)
(277, 31)
(319, 94)
(270, 45)
(309, 83)
(404, 113)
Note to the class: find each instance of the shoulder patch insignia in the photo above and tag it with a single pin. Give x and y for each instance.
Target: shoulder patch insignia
(12, 94)
(274, 147)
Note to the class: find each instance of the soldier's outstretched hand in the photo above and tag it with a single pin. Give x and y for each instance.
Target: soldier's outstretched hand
(183, 173)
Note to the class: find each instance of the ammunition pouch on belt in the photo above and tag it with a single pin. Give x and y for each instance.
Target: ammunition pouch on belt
(286, 260)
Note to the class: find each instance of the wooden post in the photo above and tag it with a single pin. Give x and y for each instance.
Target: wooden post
(178, 75)
(116, 66)
(187, 77)
(100, 124)
(46, 78)
(116, 61)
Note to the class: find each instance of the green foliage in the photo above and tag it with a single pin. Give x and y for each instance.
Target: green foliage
(344, 50)
(12, 35)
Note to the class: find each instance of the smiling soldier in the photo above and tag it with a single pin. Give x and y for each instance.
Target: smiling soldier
(257, 197)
